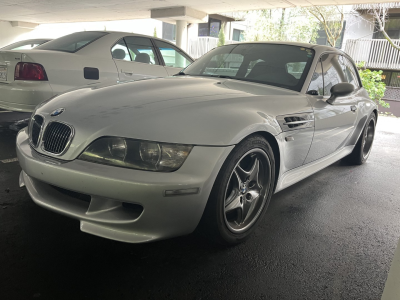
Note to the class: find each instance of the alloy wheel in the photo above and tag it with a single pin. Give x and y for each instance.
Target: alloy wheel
(245, 195)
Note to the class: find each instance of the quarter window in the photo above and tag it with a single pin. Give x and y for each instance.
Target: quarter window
(141, 50)
(120, 51)
(317, 83)
(173, 57)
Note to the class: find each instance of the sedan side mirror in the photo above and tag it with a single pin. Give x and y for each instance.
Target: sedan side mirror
(340, 90)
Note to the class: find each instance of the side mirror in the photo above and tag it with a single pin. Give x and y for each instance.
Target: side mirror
(340, 90)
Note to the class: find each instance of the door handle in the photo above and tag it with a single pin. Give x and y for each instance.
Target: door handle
(353, 108)
(298, 122)
(127, 72)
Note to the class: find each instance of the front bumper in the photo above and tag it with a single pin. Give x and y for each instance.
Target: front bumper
(24, 96)
(108, 187)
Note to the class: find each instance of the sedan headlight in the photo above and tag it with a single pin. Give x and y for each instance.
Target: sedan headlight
(135, 154)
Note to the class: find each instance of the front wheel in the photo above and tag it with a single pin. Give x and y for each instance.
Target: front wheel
(241, 192)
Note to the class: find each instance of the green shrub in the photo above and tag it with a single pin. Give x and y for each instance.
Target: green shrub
(372, 82)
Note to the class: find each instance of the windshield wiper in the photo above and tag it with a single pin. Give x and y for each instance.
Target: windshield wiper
(220, 76)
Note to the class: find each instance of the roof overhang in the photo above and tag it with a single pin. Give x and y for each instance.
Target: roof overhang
(58, 11)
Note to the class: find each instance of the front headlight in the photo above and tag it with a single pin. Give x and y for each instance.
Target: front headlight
(136, 154)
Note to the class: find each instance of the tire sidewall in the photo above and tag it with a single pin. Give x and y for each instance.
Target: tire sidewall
(219, 189)
(363, 159)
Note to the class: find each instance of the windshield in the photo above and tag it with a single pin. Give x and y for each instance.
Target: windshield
(72, 42)
(279, 65)
(25, 45)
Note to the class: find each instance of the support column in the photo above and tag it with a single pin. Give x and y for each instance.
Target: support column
(181, 34)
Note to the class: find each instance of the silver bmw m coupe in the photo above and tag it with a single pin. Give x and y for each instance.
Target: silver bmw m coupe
(207, 148)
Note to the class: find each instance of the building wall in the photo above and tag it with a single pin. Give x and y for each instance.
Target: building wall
(9, 34)
(358, 27)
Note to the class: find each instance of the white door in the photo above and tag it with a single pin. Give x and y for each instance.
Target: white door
(136, 59)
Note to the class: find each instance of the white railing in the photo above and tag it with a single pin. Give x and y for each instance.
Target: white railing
(377, 54)
(202, 44)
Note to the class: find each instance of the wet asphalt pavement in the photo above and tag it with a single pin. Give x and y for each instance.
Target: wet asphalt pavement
(331, 236)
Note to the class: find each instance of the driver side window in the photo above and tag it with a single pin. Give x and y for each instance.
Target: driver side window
(333, 73)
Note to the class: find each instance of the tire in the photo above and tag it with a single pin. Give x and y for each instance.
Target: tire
(363, 146)
(233, 209)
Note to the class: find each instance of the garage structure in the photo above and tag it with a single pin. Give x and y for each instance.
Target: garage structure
(29, 13)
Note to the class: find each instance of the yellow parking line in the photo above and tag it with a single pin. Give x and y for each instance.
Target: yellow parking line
(10, 160)
(392, 286)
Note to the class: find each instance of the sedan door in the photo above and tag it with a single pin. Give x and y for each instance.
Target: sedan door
(136, 58)
(334, 123)
(174, 59)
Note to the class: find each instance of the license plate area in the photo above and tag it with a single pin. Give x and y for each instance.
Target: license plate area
(3, 73)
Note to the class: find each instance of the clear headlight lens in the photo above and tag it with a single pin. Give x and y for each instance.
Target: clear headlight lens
(136, 154)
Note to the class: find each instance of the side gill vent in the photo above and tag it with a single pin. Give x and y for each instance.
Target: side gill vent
(294, 119)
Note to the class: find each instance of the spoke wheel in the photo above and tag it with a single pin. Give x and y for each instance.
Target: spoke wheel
(241, 192)
(245, 194)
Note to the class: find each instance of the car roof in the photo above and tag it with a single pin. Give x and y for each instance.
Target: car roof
(319, 48)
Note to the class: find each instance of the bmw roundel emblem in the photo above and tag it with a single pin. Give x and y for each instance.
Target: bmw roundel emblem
(57, 112)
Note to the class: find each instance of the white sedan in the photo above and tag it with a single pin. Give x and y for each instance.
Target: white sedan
(29, 77)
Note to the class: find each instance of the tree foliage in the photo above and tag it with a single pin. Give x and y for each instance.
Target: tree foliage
(330, 18)
(287, 24)
(381, 13)
(155, 32)
(221, 36)
(372, 82)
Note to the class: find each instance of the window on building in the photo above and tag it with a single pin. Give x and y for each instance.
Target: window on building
(322, 38)
(392, 28)
(168, 31)
(238, 35)
(211, 28)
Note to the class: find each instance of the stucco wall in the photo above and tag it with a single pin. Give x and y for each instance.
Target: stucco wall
(9, 34)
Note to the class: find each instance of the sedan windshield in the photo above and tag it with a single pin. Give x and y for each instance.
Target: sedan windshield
(72, 42)
(279, 65)
(25, 45)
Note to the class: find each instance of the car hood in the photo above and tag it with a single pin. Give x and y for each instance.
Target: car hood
(187, 110)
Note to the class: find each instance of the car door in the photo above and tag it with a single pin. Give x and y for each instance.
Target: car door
(136, 58)
(174, 59)
(334, 123)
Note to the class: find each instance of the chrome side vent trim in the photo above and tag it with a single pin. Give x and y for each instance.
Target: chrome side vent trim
(296, 121)
(57, 137)
(35, 130)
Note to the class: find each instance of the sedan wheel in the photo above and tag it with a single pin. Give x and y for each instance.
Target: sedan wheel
(241, 192)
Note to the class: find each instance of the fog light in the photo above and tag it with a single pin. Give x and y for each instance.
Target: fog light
(182, 192)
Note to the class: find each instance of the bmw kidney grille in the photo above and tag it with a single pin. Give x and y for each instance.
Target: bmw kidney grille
(56, 137)
(36, 127)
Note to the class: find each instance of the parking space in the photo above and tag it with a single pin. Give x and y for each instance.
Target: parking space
(331, 236)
